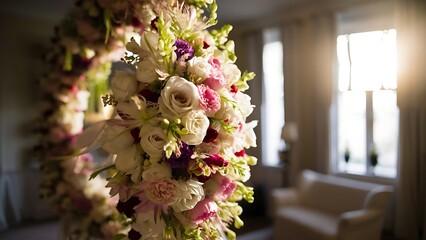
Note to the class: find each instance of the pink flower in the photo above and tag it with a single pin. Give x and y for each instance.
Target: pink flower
(161, 193)
(204, 210)
(216, 79)
(225, 187)
(209, 100)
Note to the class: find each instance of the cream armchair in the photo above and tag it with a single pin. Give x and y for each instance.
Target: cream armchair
(324, 207)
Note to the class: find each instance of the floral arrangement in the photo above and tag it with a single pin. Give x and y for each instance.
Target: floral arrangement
(86, 42)
(180, 130)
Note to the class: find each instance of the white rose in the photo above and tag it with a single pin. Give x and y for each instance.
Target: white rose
(123, 85)
(128, 159)
(244, 103)
(232, 73)
(153, 140)
(178, 97)
(156, 172)
(115, 139)
(199, 67)
(145, 71)
(197, 123)
(191, 193)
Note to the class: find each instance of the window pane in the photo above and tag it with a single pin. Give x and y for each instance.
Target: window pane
(273, 99)
(352, 130)
(386, 115)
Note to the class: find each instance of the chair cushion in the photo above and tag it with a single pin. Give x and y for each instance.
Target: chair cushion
(300, 223)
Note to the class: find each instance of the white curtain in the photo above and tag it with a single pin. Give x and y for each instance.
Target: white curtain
(308, 74)
(411, 189)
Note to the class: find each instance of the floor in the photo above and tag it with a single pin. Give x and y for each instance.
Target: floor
(254, 229)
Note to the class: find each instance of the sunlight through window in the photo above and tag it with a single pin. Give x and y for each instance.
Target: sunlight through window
(368, 116)
(273, 97)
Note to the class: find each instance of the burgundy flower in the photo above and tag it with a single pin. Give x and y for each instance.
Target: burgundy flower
(149, 95)
(234, 89)
(216, 160)
(181, 161)
(183, 49)
(135, 134)
(240, 153)
(134, 235)
(211, 135)
(127, 207)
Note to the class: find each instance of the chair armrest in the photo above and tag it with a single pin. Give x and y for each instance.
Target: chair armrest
(357, 217)
(284, 197)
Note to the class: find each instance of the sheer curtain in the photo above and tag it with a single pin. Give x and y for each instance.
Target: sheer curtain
(308, 74)
(411, 191)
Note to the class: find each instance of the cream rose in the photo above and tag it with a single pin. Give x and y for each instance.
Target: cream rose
(199, 68)
(191, 193)
(153, 140)
(123, 85)
(197, 123)
(178, 97)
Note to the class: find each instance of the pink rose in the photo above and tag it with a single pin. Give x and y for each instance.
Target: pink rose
(216, 79)
(209, 100)
(204, 210)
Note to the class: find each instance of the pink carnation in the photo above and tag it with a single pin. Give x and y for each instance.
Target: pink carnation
(209, 100)
(204, 210)
(216, 79)
(225, 187)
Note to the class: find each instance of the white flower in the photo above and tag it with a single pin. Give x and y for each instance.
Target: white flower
(116, 139)
(250, 136)
(82, 100)
(244, 104)
(178, 97)
(156, 172)
(145, 71)
(199, 68)
(128, 159)
(191, 193)
(232, 73)
(197, 123)
(123, 85)
(153, 140)
(149, 226)
(149, 41)
(228, 110)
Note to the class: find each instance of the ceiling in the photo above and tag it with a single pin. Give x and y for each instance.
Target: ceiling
(228, 11)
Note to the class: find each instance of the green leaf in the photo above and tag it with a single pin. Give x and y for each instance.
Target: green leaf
(107, 21)
(119, 236)
(68, 60)
(97, 172)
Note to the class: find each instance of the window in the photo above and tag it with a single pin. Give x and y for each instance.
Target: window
(273, 97)
(367, 113)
